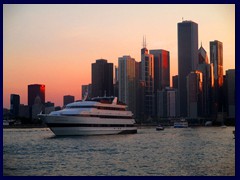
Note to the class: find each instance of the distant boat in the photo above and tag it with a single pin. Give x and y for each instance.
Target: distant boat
(159, 127)
(181, 124)
(208, 123)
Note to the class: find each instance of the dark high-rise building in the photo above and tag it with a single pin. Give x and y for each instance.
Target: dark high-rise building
(102, 78)
(175, 82)
(35, 90)
(147, 73)
(187, 58)
(194, 94)
(68, 99)
(216, 58)
(206, 70)
(15, 104)
(231, 93)
(161, 69)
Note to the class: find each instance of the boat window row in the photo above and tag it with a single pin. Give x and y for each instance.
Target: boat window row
(100, 116)
(97, 107)
(88, 125)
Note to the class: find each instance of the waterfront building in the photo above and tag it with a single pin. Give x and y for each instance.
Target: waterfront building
(161, 69)
(167, 103)
(35, 90)
(102, 78)
(195, 94)
(231, 93)
(216, 58)
(127, 82)
(187, 58)
(147, 75)
(48, 107)
(24, 111)
(206, 69)
(68, 99)
(161, 72)
(37, 108)
(14, 105)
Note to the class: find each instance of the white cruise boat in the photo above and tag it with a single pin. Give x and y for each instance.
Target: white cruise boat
(95, 117)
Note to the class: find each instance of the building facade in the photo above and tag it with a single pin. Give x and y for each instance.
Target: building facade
(102, 78)
(167, 103)
(195, 94)
(187, 58)
(68, 99)
(147, 75)
(35, 90)
(127, 82)
(231, 93)
(216, 59)
(14, 105)
(206, 70)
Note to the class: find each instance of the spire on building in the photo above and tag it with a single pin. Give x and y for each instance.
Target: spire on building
(144, 42)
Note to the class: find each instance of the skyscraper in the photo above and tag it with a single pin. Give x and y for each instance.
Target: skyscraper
(231, 93)
(187, 58)
(161, 69)
(102, 78)
(15, 104)
(194, 94)
(35, 90)
(206, 70)
(147, 73)
(127, 82)
(216, 58)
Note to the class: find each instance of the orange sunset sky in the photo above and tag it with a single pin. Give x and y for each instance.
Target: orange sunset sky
(56, 44)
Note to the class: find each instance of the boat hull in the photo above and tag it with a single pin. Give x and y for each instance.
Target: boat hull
(71, 125)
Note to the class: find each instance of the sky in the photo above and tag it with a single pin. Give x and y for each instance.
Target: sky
(56, 44)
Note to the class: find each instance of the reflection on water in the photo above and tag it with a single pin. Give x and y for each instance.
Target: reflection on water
(202, 151)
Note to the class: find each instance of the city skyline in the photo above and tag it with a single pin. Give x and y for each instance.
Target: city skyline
(57, 44)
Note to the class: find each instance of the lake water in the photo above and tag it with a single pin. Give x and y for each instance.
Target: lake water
(200, 151)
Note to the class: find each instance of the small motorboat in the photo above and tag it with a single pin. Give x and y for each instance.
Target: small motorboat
(159, 128)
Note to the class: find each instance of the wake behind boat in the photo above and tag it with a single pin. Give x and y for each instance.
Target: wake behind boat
(99, 116)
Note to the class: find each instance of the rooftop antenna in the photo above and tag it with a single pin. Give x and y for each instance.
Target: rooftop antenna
(144, 42)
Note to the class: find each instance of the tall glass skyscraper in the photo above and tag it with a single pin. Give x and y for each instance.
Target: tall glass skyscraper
(127, 82)
(187, 58)
(216, 58)
(147, 75)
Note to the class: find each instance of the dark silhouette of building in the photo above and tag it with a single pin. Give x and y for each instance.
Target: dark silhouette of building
(68, 99)
(102, 78)
(230, 92)
(35, 90)
(175, 82)
(206, 70)
(187, 58)
(195, 94)
(14, 105)
(216, 58)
